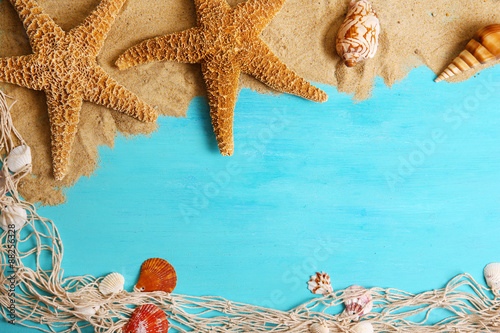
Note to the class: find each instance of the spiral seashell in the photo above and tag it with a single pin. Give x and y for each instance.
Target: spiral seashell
(13, 214)
(357, 39)
(492, 275)
(156, 275)
(362, 327)
(147, 318)
(112, 284)
(358, 302)
(19, 158)
(483, 47)
(319, 328)
(320, 284)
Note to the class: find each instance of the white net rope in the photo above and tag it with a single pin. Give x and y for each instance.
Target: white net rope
(47, 301)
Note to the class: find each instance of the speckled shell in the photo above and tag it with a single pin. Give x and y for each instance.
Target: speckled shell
(357, 39)
(492, 275)
(318, 328)
(320, 284)
(147, 318)
(13, 213)
(483, 48)
(156, 275)
(18, 158)
(112, 284)
(358, 301)
(362, 327)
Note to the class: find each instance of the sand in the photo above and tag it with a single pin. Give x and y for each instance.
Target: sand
(414, 33)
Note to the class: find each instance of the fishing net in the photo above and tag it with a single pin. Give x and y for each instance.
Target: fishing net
(44, 299)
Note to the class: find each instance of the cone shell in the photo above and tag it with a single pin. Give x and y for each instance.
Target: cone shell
(483, 48)
(358, 301)
(147, 318)
(156, 275)
(319, 328)
(492, 275)
(13, 214)
(19, 158)
(357, 39)
(362, 327)
(320, 284)
(112, 284)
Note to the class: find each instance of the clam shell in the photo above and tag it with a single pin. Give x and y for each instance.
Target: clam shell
(19, 158)
(13, 213)
(362, 327)
(482, 48)
(147, 318)
(112, 284)
(357, 39)
(87, 311)
(492, 275)
(320, 284)
(358, 301)
(156, 275)
(319, 328)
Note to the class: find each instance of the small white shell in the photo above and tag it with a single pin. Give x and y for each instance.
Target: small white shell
(18, 158)
(13, 213)
(318, 328)
(320, 284)
(362, 327)
(492, 275)
(87, 311)
(112, 284)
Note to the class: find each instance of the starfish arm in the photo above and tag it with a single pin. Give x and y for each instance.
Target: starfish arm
(222, 89)
(104, 90)
(20, 71)
(206, 8)
(93, 31)
(40, 27)
(257, 14)
(180, 47)
(259, 61)
(64, 115)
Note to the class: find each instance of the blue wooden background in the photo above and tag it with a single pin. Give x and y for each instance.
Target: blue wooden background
(401, 190)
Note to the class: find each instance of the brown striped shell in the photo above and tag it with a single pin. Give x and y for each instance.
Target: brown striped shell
(147, 318)
(156, 275)
(483, 48)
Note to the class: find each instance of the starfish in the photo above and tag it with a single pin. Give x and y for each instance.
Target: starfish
(226, 43)
(64, 66)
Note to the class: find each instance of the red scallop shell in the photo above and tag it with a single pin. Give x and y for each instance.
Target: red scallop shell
(157, 275)
(147, 318)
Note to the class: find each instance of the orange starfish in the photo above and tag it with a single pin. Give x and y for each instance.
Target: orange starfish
(226, 42)
(64, 66)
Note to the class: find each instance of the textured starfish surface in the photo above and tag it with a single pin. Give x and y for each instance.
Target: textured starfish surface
(64, 66)
(226, 43)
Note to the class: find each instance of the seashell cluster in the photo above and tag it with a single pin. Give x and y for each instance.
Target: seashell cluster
(147, 318)
(362, 327)
(320, 284)
(492, 276)
(112, 284)
(19, 158)
(319, 328)
(358, 301)
(156, 275)
(482, 48)
(357, 39)
(13, 213)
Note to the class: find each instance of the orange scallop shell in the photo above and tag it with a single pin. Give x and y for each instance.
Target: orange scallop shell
(147, 318)
(156, 275)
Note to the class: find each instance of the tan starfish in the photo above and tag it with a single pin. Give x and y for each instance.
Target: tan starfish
(226, 42)
(64, 66)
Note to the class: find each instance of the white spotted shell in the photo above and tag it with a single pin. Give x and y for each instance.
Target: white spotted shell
(112, 284)
(19, 158)
(358, 301)
(492, 275)
(320, 284)
(357, 39)
(318, 328)
(362, 327)
(13, 214)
